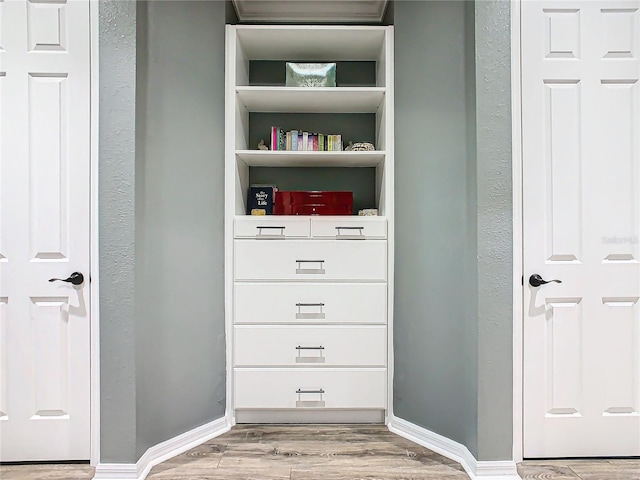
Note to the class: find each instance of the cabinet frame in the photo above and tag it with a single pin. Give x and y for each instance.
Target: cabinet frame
(273, 42)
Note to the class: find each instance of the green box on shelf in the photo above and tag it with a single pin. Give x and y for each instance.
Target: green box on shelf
(311, 74)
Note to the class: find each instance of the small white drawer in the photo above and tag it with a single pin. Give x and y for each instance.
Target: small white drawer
(349, 228)
(289, 346)
(309, 303)
(259, 388)
(271, 227)
(311, 260)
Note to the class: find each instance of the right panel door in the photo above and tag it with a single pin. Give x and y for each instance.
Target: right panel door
(581, 170)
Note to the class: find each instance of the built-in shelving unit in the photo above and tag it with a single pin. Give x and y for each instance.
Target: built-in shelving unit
(320, 285)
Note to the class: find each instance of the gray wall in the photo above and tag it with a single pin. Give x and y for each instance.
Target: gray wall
(161, 255)
(495, 230)
(435, 368)
(117, 231)
(180, 346)
(453, 310)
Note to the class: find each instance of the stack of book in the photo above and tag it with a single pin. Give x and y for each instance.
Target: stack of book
(299, 141)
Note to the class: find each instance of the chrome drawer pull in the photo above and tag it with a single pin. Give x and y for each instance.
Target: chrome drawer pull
(308, 358)
(315, 271)
(300, 315)
(269, 227)
(319, 403)
(300, 391)
(359, 236)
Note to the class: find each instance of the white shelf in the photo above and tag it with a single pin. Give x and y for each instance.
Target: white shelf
(268, 158)
(315, 43)
(311, 100)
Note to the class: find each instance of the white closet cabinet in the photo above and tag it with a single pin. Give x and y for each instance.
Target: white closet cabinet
(308, 299)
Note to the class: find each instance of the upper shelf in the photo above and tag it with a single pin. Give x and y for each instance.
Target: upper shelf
(311, 42)
(268, 158)
(312, 100)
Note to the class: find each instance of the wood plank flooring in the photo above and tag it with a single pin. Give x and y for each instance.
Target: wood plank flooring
(325, 452)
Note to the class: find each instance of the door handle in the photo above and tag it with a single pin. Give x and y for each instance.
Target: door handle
(536, 280)
(76, 278)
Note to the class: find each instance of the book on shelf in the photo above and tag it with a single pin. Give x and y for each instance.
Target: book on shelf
(260, 199)
(301, 141)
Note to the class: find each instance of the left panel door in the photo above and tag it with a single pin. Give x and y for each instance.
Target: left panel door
(44, 229)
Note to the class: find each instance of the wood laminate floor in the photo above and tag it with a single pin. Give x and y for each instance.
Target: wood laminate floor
(325, 452)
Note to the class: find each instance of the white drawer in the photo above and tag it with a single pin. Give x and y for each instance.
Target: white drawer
(354, 228)
(310, 388)
(288, 346)
(311, 260)
(271, 227)
(309, 303)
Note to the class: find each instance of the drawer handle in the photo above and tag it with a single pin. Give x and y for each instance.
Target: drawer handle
(313, 271)
(300, 315)
(320, 403)
(358, 236)
(270, 227)
(306, 358)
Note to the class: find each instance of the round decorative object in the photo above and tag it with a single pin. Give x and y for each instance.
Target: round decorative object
(363, 146)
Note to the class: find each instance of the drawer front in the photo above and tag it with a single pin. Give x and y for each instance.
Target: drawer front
(359, 228)
(288, 346)
(309, 303)
(311, 260)
(310, 388)
(270, 227)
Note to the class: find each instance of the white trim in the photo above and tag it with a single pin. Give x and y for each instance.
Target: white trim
(390, 207)
(162, 452)
(94, 289)
(518, 251)
(498, 470)
(230, 205)
(116, 471)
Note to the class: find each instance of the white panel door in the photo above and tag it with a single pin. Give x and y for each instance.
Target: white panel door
(581, 154)
(44, 230)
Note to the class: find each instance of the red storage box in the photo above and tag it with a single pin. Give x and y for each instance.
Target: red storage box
(313, 203)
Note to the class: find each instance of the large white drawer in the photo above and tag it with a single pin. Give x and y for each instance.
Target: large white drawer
(271, 227)
(309, 303)
(310, 388)
(311, 260)
(349, 228)
(289, 346)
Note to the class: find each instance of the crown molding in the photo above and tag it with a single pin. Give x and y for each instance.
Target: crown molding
(311, 11)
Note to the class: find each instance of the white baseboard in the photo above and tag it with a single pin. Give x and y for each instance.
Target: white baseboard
(499, 470)
(161, 452)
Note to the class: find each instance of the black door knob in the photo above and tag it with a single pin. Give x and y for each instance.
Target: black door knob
(536, 280)
(76, 278)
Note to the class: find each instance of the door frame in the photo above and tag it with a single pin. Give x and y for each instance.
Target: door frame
(94, 278)
(518, 232)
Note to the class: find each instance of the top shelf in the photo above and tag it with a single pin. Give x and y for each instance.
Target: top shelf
(311, 42)
(312, 100)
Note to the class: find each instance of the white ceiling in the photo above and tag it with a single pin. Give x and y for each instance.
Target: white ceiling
(311, 11)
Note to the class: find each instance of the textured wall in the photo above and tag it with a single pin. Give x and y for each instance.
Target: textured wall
(116, 228)
(179, 224)
(470, 338)
(495, 230)
(434, 330)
